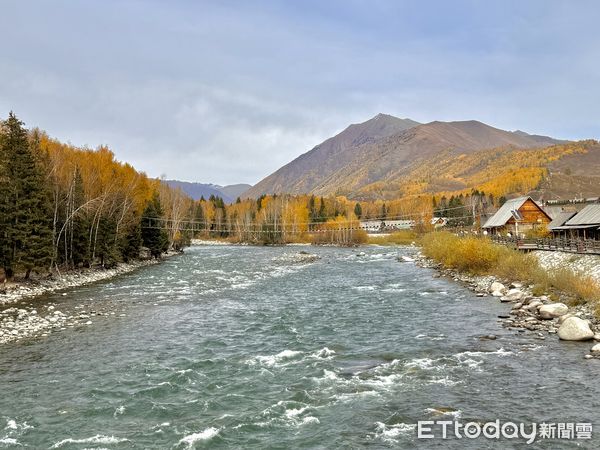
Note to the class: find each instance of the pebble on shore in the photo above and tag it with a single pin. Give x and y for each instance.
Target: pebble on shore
(529, 313)
(18, 323)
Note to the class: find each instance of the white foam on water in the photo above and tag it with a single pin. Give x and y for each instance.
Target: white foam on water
(98, 439)
(330, 375)
(364, 288)
(390, 433)
(9, 441)
(471, 363)
(350, 396)
(274, 360)
(295, 411)
(500, 352)
(204, 435)
(12, 424)
(446, 381)
(325, 353)
(308, 420)
(120, 410)
(421, 363)
(431, 337)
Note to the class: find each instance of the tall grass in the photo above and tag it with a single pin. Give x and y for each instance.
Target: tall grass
(480, 256)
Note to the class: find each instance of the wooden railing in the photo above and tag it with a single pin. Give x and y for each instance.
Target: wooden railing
(587, 246)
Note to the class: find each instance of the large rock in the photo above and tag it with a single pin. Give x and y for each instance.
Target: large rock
(561, 319)
(553, 310)
(575, 329)
(496, 287)
(515, 295)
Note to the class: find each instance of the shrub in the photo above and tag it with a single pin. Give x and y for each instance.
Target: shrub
(340, 231)
(401, 237)
(481, 256)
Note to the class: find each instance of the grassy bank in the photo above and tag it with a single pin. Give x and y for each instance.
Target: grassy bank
(480, 256)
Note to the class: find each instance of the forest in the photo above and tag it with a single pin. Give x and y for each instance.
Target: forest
(64, 207)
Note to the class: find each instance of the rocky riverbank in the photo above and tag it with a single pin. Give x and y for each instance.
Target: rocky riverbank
(527, 313)
(29, 319)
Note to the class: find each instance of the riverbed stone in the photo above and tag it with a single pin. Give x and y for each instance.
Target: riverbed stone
(561, 319)
(515, 295)
(497, 289)
(596, 348)
(553, 310)
(575, 329)
(534, 305)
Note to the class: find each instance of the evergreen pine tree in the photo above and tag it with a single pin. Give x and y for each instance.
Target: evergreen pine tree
(25, 203)
(155, 239)
(358, 210)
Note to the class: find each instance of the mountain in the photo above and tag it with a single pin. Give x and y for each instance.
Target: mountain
(197, 190)
(234, 191)
(382, 152)
(305, 172)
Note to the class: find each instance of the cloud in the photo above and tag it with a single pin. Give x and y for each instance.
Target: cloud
(227, 92)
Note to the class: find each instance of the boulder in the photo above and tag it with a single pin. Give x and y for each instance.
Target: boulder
(575, 329)
(561, 319)
(497, 287)
(596, 348)
(515, 295)
(553, 310)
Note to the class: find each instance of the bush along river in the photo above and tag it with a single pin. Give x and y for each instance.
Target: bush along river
(253, 347)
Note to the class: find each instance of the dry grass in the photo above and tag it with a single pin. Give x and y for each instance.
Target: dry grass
(482, 257)
(402, 237)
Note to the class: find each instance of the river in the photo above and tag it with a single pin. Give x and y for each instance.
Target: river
(248, 347)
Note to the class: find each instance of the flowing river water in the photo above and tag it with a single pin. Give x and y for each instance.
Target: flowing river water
(248, 347)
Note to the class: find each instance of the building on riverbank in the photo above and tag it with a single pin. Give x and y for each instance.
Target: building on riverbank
(583, 225)
(516, 217)
(386, 225)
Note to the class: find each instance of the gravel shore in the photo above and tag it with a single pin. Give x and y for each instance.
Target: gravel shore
(538, 316)
(20, 319)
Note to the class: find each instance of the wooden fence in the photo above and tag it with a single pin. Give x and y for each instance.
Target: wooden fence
(584, 246)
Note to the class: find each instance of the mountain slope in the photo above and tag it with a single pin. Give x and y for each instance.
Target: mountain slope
(305, 172)
(351, 162)
(197, 190)
(234, 191)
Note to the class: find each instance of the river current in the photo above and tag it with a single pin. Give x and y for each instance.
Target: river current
(253, 347)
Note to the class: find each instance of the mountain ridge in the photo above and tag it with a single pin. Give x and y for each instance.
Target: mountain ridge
(384, 148)
(196, 190)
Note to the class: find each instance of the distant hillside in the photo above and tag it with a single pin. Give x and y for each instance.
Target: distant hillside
(234, 191)
(387, 157)
(307, 171)
(197, 190)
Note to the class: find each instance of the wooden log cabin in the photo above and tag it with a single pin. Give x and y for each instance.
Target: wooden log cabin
(582, 225)
(517, 217)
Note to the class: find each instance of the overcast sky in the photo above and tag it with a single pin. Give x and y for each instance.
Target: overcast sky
(228, 91)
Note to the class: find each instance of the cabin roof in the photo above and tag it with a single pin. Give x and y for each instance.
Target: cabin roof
(504, 214)
(560, 219)
(590, 215)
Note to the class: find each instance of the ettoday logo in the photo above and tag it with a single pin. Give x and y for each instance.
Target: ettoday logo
(446, 429)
